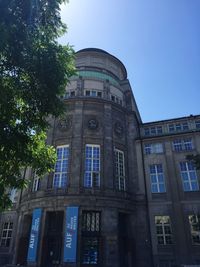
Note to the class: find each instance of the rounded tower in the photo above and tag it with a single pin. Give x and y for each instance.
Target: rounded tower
(84, 213)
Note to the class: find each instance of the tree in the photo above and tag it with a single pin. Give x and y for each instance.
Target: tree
(34, 70)
(195, 159)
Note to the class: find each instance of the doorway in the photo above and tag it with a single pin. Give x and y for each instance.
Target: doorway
(125, 241)
(24, 240)
(53, 239)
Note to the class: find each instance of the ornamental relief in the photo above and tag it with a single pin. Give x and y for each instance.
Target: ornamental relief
(65, 123)
(118, 129)
(93, 124)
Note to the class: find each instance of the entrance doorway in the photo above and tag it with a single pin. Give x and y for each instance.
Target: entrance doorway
(125, 241)
(24, 240)
(53, 239)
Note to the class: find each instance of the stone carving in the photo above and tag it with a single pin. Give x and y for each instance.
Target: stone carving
(93, 124)
(118, 128)
(65, 124)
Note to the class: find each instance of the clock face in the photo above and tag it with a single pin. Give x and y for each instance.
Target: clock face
(65, 124)
(93, 124)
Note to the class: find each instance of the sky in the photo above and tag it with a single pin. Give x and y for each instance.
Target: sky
(158, 41)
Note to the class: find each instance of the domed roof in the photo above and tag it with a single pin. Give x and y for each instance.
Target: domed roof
(97, 50)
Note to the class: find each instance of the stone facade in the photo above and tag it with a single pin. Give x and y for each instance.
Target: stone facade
(104, 171)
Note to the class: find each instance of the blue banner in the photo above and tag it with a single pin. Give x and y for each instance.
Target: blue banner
(33, 241)
(70, 240)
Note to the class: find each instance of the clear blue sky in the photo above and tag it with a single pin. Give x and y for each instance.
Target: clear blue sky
(157, 40)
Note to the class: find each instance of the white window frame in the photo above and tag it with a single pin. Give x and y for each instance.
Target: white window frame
(13, 193)
(6, 234)
(120, 179)
(36, 183)
(188, 144)
(157, 183)
(60, 173)
(93, 93)
(182, 144)
(154, 148)
(191, 177)
(164, 225)
(153, 130)
(89, 183)
(178, 127)
(195, 228)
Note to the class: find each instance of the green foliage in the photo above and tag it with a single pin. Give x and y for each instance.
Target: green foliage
(34, 71)
(195, 159)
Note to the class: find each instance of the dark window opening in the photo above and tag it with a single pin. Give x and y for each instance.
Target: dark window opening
(90, 237)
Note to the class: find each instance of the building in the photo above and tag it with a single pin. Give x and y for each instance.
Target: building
(122, 193)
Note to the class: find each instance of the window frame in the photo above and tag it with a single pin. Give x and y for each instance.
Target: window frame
(188, 176)
(93, 93)
(197, 124)
(90, 233)
(7, 237)
(13, 195)
(152, 148)
(89, 182)
(180, 145)
(156, 176)
(178, 127)
(153, 130)
(164, 234)
(120, 175)
(36, 183)
(60, 173)
(192, 230)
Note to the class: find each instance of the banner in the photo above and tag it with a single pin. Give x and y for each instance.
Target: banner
(70, 240)
(33, 241)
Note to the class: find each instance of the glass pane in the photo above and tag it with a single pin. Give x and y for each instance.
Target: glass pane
(183, 166)
(152, 168)
(194, 186)
(186, 186)
(168, 239)
(184, 176)
(159, 168)
(162, 188)
(160, 240)
(160, 178)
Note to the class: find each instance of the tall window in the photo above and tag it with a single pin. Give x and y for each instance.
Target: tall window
(153, 148)
(6, 234)
(13, 195)
(36, 183)
(60, 178)
(194, 221)
(92, 166)
(163, 230)
(189, 176)
(90, 237)
(182, 144)
(157, 179)
(119, 170)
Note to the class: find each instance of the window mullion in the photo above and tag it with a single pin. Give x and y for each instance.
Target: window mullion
(163, 230)
(92, 165)
(157, 182)
(118, 170)
(188, 174)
